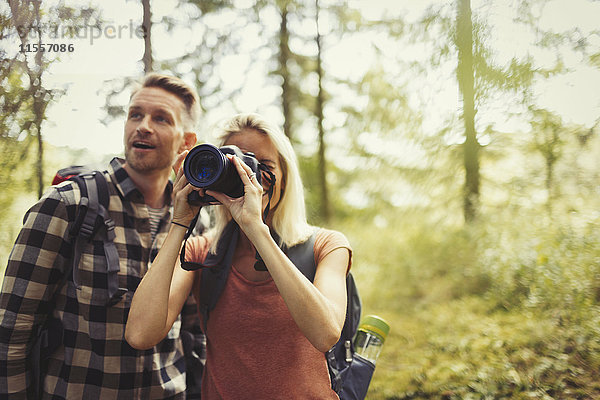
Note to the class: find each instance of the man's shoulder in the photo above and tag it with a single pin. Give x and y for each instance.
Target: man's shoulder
(67, 191)
(70, 191)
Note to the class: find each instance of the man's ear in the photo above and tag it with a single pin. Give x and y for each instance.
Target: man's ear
(189, 141)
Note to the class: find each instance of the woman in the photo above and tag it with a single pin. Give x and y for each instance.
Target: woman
(267, 336)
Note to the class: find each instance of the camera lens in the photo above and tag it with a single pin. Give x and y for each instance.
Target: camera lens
(204, 165)
(208, 167)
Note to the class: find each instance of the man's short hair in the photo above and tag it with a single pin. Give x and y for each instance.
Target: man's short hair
(179, 88)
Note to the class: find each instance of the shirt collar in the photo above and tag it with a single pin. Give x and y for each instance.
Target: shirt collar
(125, 184)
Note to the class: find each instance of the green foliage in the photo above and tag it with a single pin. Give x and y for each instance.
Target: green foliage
(16, 171)
(464, 350)
(17, 196)
(24, 96)
(308, 171)
(506, 308)
(549, 264)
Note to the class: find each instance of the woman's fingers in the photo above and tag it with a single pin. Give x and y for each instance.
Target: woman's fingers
(241, 169)
(178, 161)
(180, 182)
(187, 189)
(240, 205)
(245, 172)
(220, 197)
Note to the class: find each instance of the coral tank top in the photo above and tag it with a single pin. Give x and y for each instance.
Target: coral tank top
(255, 350)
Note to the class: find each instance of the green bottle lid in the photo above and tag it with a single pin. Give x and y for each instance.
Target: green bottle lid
(375, 325)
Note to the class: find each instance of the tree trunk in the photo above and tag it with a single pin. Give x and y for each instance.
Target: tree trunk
(39, 109)
(39, 103)
(322, 162)
(552, 155)
(147, 27)
(464, 41)
(284, 56)
(22, 15)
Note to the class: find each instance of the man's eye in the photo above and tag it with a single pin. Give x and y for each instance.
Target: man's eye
(134, 115)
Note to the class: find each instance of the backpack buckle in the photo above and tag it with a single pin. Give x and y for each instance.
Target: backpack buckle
(347, 345)
(116, 297)
(88, 175)
(110, 225)
(86, 230)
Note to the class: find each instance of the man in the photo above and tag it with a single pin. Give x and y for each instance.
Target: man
(93, 361)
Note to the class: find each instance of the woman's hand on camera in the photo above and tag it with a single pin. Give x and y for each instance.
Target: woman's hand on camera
(245, 210)
(183, 212)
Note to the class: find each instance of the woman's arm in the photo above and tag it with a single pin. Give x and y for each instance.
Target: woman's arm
(319, 309)
(160, 296)
(164, 289)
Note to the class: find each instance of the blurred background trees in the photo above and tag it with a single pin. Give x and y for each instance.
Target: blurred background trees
(25, 97)
(426, 132)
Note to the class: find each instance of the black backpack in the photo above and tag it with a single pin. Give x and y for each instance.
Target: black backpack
(350, 373)
(92, 215)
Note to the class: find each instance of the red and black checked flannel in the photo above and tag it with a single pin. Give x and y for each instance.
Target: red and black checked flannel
(95, 361)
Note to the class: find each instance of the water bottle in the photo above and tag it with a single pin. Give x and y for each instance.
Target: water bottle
(370, 337)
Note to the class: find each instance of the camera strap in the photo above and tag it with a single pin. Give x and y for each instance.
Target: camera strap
(266, 173)
(188, 265)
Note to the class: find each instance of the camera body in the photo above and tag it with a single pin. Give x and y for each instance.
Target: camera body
(207, 166)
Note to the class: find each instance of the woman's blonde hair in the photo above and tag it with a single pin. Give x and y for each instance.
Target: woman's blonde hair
(289, 214)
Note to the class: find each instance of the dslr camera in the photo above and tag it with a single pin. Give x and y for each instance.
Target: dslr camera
(207, 166)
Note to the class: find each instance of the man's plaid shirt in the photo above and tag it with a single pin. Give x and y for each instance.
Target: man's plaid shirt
(95, 361)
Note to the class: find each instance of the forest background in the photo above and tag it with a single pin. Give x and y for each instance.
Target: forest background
(455, 143)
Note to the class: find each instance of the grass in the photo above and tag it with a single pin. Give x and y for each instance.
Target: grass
(502, 310)
(465, 350)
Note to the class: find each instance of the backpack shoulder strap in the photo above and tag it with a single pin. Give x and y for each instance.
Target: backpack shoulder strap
(91, 216)
(216, 271)
(340, 356)
(303, 256)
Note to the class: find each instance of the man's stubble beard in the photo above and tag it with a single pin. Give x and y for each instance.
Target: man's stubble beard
(147, 163)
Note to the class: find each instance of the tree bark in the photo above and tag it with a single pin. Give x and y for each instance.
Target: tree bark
(147, 27)
(39, 103)
(322, 162)
(284, 56)
(23, 16)
(464, 41)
